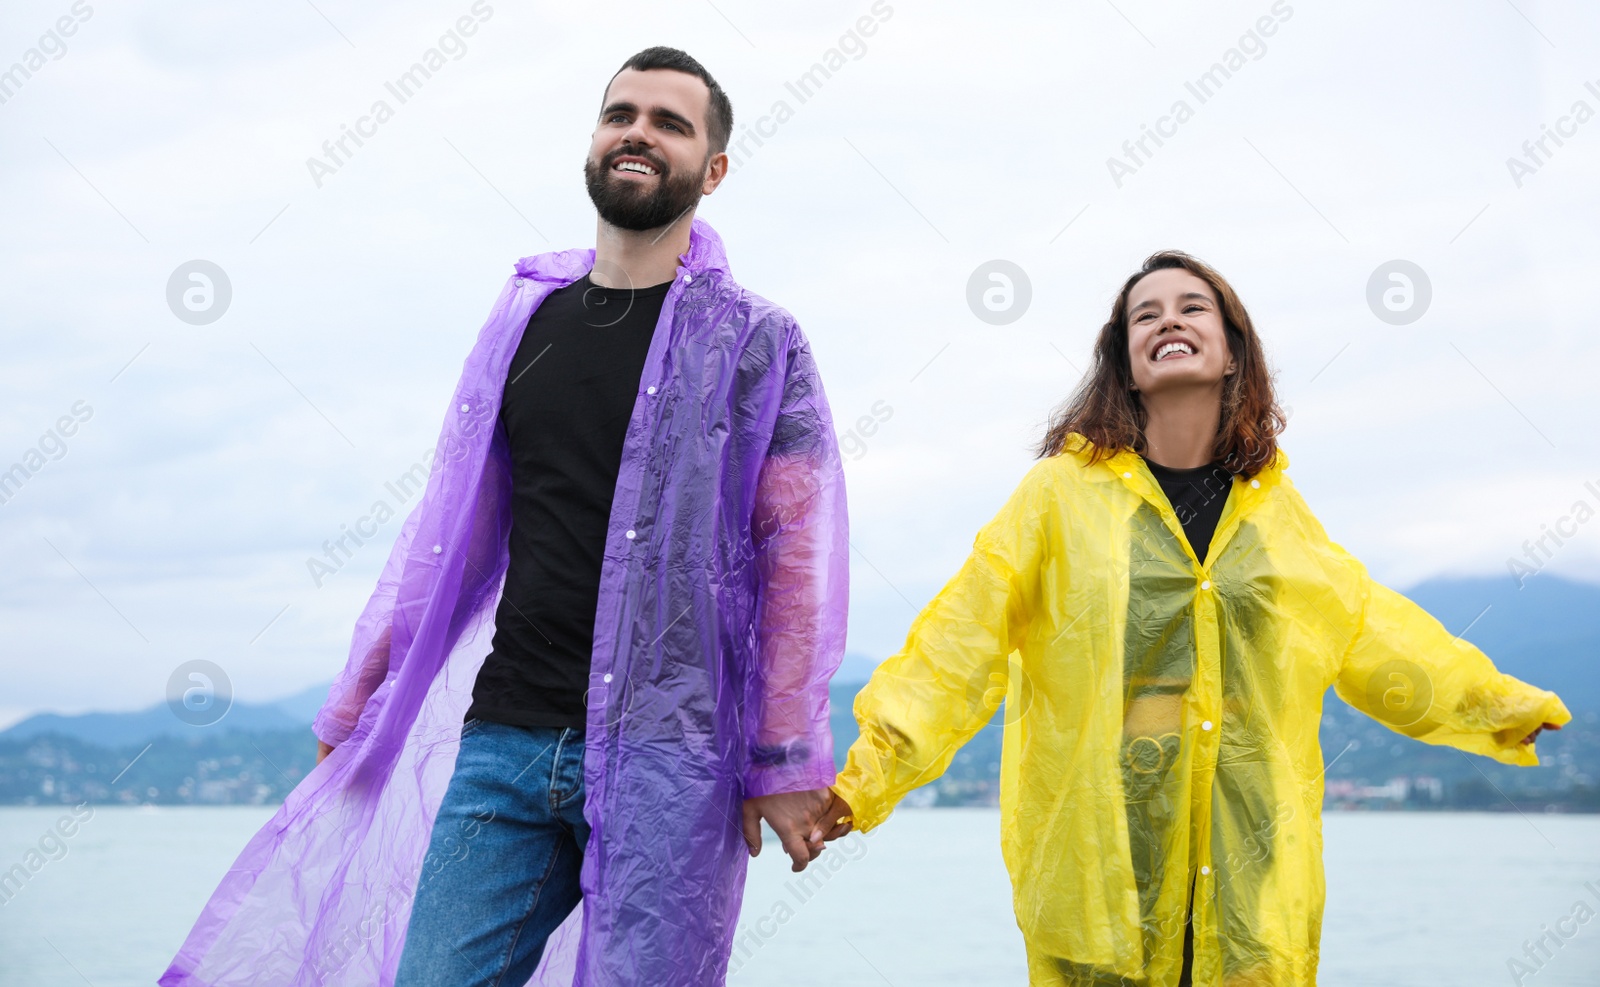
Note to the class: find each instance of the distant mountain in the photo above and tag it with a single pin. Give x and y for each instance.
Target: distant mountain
(291, 713)
(303, 706)
(855, 668)
(121, 729)
(1547, 633)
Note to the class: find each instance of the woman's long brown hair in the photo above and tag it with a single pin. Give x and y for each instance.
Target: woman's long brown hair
(1108, 412)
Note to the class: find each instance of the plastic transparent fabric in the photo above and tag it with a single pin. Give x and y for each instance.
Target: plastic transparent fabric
(721, 618)
(1162, 715)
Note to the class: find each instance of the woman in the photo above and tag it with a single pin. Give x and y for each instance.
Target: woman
(1163, 614)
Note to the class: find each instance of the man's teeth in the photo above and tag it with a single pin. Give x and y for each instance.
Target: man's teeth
(640, 167)
(1174, 347)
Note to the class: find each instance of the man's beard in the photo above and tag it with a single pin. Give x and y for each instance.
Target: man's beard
(634, 208)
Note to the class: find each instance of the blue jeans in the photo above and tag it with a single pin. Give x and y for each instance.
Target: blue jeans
(502, 866)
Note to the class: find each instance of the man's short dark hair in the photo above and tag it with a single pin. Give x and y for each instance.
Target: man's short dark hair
(719, 112)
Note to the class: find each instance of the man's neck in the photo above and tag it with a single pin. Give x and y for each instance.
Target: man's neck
(639, 258)
(1181, 427)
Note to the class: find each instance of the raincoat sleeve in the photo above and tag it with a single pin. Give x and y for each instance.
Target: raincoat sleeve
(800, 533)
(1405, 670)
(945, 684)
(368, 664)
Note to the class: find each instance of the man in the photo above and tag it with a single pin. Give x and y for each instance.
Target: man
(642, 449)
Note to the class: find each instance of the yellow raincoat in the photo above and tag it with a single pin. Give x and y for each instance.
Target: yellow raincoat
(1162, 715)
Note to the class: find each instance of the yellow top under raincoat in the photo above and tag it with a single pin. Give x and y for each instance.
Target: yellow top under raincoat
(1162, 714)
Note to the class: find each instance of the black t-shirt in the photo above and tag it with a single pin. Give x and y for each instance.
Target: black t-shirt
(569, 395)
(1196, 496)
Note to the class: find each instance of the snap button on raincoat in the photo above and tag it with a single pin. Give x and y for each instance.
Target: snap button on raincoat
(721, 618)
(1162, 713)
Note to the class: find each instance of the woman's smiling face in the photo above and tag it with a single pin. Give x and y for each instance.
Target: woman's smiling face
(1176, 337)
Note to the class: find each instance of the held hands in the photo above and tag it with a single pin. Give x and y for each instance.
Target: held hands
(802, 820)
(792, 816)
(835, 820)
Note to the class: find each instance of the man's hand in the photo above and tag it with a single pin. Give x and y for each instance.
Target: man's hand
(323, 750)
(836, 819)
(792, 815)
(1530, 738)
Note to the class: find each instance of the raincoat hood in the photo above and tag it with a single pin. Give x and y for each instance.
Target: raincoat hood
(721, 617)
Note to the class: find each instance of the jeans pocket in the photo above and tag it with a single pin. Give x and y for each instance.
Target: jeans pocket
(471, 725)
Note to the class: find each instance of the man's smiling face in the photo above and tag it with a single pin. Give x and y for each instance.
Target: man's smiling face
(648, 161)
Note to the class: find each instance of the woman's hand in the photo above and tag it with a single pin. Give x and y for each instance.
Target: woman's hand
(836, 819)
(1530, 738)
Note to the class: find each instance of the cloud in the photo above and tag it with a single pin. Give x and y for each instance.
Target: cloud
(220, 456)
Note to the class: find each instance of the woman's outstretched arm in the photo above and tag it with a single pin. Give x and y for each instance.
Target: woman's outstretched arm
(1405, 670)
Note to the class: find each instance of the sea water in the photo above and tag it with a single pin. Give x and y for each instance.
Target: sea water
(1414, 900)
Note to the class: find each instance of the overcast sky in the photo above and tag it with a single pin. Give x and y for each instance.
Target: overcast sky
(207, 462)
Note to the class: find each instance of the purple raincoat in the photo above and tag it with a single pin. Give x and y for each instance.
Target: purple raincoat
(721, 618)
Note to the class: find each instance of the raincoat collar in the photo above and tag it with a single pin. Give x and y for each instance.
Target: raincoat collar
(705, 254)
(1129, 467)
(1126, 461)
